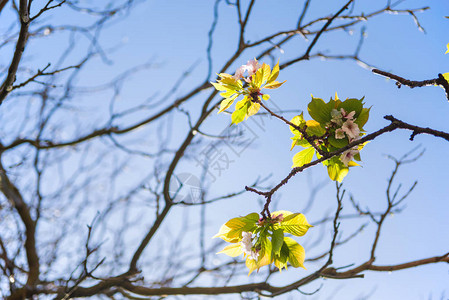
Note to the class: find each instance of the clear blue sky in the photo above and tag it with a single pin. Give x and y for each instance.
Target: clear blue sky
(173, 36)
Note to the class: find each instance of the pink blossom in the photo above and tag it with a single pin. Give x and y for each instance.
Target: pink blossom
(339, 134)
(252, 66)
(239, 73)
(351, 129)
(348, 155)
(349, 116)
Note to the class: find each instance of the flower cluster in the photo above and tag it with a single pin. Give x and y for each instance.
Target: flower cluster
(257, 77)
(251, 67)
(262, 241)
(346, 128)
(335, 124)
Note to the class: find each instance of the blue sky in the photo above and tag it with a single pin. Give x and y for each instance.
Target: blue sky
(172, 36)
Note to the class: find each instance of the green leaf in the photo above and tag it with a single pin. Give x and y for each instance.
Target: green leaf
(277, 240)
(314, 128)
(337, 171)
(337, 143)
(252, 264)
(253, 109)
(218, 86)
(231, 83)
(296, 253)
(231, 231)
(298, 140)
(241, 109)
(258, 78)
(227, 94)
(319, 110)
(295, 224)
(251, 218)
(284, 213)
(232, 250)
(266, 72)
(303, 157)
(228, 234)
(298, 121)
(350, 105)
(264, 255)
(266, 245)
(274, 73)
(363, 117)
(274, 85)
(226, 103)
(281, 260)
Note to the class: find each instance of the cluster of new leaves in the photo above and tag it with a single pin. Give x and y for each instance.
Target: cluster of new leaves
(262, 241)
(334, 125)
(258, 77)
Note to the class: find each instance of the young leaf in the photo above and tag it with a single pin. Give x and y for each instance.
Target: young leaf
(252, 264)
(226, 103)
(298, 121)
(251, 218)
(232, 250)
(228, 234)
(253, 109)
(266, 72)
(227, 94)
(296, 253)
(337, 171)
(296, 224)
(350, 105)
(319, 110)
(274, 73)
(303, 157)
(231, 231)
(258, 78)
(264, 255)
(363, 117)
(277, 240)
(274, 85)
(284, 213)
(314, 128)
(218, 86)
(337, 143)
(281, 260)
(231, 83)
(241, 109)
(298, 140)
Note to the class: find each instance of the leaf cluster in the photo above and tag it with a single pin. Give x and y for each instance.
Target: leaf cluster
(269, 243)
(232, 87)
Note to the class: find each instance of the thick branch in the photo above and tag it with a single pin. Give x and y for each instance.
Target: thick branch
(15, 198)
(6, 86)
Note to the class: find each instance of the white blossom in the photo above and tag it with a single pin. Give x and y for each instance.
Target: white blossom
(247, 245)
